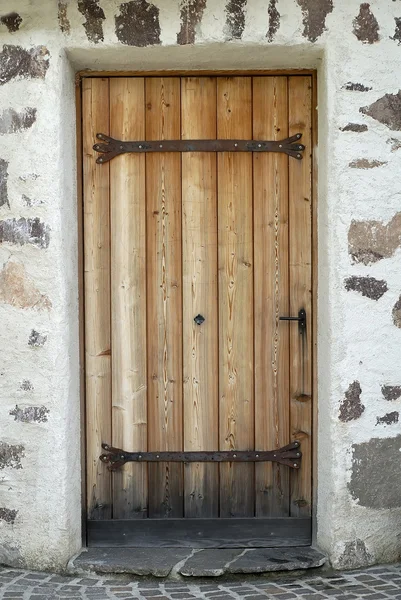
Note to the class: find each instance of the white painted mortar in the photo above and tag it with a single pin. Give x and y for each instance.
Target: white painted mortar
(356, 337)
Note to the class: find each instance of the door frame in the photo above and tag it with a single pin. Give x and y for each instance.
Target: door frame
(79, 76)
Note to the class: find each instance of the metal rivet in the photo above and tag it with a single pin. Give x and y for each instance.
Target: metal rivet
(106, 447)
(299, 156)
(161, 146)
(301, 147)
(122, 456)
(140, 147)
(259, 145)
(274, 455)
(157, 455)
(299, 135)
(140, 456)
(235, 145)
(234, 456)
(280, 145)
(298, 454)
(121, 147)
(257, 456)
(295, 465)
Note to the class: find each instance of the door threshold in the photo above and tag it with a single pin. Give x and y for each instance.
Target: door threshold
(201, 533)
(212, 562)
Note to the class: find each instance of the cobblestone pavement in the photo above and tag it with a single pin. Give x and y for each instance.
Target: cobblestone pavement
(373, 584)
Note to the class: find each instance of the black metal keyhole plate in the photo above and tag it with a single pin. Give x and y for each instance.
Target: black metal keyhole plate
(199, 319)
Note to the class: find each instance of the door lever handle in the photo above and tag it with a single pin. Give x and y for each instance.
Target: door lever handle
(301, 318)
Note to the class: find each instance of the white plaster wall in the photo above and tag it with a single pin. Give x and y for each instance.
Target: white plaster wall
(357, 339)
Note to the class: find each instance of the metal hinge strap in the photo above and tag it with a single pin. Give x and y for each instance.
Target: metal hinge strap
(112, 147)
(289, 455)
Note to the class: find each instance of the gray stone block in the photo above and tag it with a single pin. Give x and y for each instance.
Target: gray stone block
(138, 561)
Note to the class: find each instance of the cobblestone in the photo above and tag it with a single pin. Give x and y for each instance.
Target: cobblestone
(376, 583)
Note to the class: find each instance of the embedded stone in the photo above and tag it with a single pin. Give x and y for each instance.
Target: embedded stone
(191, 13)
(138, 24)
(314, 13)
(94, 17)
(366, 27)
(274, 20)
(391, 392)
(25, 231)
(8, 515)
(371, 241)
(386, 110)
(30, 414)
(376, 473)
(18, 63)
(10, 455)
(364, 163)
(397, 313)
(18, 290)
(356, 87)
(397, 33)
(12, 121)
(36, 339)
(355, 127)
(235, 18)
(3, 183)
(367, 286)
(388, 418)
(12, 21)
(63, 21)
(26, 385)
(351, 408)
(395, 144)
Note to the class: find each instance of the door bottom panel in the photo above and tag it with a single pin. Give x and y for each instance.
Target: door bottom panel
(200, 533)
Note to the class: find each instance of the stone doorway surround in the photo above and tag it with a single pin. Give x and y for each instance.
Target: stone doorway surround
(355, 49)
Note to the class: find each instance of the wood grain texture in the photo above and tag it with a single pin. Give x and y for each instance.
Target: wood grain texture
(235, 249)
(200, 533)
(200, 342)
(300, 265)
(164, 296)
(95, 110)
(227, 236)
(270, 184)
(128, 296)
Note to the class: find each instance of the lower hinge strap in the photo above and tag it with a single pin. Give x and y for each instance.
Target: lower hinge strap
(289, 456)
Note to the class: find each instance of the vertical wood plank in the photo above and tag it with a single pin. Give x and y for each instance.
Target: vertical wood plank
(300, 264)
(95, 107)
(128, 296)
(200, 342)
(164, 296)
(235, 249)
(270, 122)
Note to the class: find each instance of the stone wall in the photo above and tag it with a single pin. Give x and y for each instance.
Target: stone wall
(356, 48)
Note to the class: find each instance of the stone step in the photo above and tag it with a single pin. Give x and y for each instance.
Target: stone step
(173, 562)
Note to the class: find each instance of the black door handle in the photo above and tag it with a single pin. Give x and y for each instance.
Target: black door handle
(301, 318)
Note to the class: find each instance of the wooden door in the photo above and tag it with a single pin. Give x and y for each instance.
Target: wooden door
(169, 236)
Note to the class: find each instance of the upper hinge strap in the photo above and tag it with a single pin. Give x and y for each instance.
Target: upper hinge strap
(112, 147)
